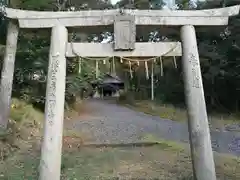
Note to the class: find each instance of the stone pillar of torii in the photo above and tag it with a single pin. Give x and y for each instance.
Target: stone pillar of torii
(124, 46)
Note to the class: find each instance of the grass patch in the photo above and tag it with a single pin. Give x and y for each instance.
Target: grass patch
(177, 114)
(163, 111)
(20, 146)
(163, 144)
(77, 109)
(167, 160)
(24, 126)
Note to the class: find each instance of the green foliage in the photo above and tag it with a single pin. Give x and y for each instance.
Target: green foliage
(219, 52)
(126, 98)
(22, 112)
(25, 121)
(32, 60)
(31, 71)
(35, 5)
(77, 82)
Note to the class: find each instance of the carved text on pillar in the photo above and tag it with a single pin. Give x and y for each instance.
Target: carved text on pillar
(52, 99)
(195, 74)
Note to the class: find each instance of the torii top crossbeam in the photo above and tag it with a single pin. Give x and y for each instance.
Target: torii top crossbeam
(48, 19)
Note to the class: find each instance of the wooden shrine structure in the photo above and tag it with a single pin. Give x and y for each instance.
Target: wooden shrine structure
(124, 45)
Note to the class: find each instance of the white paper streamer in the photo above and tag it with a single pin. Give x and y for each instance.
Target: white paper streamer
(121, 60)
(130, 69)
(113, 65)
(152, 81)
(97, 70)
(161, 64)
(175, 62)
(79, 65)
(146, 69)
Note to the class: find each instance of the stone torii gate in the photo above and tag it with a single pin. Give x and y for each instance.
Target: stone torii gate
(124, 45)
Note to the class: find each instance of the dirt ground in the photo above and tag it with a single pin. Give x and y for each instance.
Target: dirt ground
(163, 159)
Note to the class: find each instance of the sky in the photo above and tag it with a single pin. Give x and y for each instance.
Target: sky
(114, 1)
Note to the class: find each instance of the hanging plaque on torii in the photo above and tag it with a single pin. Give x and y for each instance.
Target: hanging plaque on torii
(124, 32)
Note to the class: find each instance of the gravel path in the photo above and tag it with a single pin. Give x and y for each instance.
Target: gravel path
(112, 123)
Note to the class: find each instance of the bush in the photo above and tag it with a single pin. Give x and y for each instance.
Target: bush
(126, 97)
